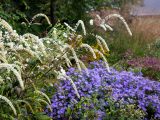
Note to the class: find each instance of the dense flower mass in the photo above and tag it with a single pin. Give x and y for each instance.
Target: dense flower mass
(127, 87)
(146, 62)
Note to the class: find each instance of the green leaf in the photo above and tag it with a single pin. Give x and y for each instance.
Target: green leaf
(41, 116)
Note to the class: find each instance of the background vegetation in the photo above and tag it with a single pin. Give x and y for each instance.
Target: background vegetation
(40, 60)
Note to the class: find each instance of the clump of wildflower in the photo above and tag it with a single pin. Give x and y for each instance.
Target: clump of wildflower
(124, 87)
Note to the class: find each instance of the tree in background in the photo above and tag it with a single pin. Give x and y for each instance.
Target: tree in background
(17, 11)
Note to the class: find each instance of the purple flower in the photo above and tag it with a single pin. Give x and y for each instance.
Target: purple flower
(127, 87)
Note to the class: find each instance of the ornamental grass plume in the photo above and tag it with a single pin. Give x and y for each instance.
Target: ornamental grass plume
(1, 44)
(16, 73)
(103, 24)
(0, 35)
(80, 22)
(3, 59)
(103, 57)
(74, 86)
(100, 45)
(9, 103)
(103, 42)
(5, 25)
(17, 67)
(30, 35)
(89, 48)
(40, 15)
(68, 62)
(74, 55)
(43, 101)
(122, 19)
(43, 94)
(68, 26)
(27, 103)
(30, 52)
(9, 29)
(83, 66)
(62, 75)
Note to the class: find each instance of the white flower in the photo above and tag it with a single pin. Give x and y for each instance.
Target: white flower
(63, 72)
(65, 35)
(54, 31)
(20, 46)
(48, 42)
(27, 60)
(0, 35)
(35, 47)
(91, 22)
(11, 44)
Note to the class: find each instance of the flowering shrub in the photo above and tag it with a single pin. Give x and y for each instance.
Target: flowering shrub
(146, 62)
(125, 88)
(150, 66)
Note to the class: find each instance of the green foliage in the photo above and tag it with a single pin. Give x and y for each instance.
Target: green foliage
(88, 108)
(154, 48)
(73, 10)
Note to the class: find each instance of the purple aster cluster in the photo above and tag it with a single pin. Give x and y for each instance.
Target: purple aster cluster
(127, 87)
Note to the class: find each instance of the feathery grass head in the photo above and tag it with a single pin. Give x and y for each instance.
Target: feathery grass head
(89, 48)
(100, 45)
(80, 22)
(69, 27)
(41, 15)
(5, 25)
(43, 94)
(27, 103)
(74, 55)
(103, 24)
(68, 62)
(122, 19)
(103, 57)
(16, 73)
(83, 66)
(103, 42)
(43, 101)
(9, 103)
